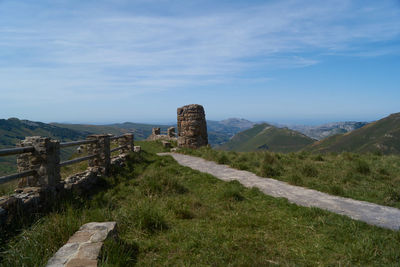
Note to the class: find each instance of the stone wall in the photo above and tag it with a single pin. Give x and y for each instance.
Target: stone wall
(156, 135)
(39, 191)
(192, 126)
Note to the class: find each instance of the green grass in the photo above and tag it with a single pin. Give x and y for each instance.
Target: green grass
(369, 177)
(171, 215)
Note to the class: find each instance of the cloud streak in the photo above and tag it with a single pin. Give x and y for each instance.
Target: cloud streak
(68, 45)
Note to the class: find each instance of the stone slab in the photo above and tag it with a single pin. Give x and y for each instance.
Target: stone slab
(83, 248)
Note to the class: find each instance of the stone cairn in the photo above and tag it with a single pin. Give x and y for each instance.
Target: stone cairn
(192, 126)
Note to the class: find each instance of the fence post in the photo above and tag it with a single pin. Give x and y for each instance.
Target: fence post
(45, 160)
(101, 148)
(126, 140)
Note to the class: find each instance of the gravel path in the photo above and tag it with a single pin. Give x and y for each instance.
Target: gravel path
(370, 213)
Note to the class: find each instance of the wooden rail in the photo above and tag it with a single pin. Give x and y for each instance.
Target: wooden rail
(77, 143)
(73, 161)
(15, 151)
(7, 178)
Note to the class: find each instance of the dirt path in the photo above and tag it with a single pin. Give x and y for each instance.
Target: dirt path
(370, 213)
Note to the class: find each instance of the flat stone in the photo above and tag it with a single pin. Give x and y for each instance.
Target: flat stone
(63, 255)
(82, 263)
(137, 148)
(89, 251)
(110, 226)
(81, 237)
(374, 214)
(83, 248)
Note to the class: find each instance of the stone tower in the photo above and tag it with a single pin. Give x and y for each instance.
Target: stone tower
(192, 126)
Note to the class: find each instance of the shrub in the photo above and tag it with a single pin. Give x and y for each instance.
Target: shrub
(336, 190)
(233, 191)
(296, 180)
(183, 213)
(318, 158)
(270, 171)
(153, 185)
(118, 253)
(269, 158)
(149, 219)
(362, 167)
(223, 159)
(309, 171)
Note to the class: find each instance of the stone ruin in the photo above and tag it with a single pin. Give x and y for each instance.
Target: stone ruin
(156, 135)
(192, 126)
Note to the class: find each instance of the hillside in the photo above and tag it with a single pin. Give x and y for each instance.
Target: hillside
(267, 137)
(379, 136)
(141, 130)
(220, 132)
(13, 130)
(326, 130)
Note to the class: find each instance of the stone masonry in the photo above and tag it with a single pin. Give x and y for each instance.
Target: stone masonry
(156, 135)
(38, 192)
(83, 248)
(127, 141)
(102, 149)
(192, 126)
(171, 132)
(45, 160)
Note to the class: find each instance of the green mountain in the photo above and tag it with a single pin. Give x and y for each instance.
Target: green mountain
(220, 132)
(13, 130)
(141, 130)
(267, 137)
(379, 136)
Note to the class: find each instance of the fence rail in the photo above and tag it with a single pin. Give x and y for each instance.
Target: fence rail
(126, 143)
(116, 137)
(73, 161)
(16, 150)
(117, 148)
(77, 143)
(7, 178)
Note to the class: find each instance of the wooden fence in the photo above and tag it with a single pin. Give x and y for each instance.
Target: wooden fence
(38, 158)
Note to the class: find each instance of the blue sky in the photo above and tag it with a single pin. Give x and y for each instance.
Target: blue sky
(295, 61)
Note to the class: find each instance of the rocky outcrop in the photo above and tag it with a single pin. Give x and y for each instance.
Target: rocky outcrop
(192, 126)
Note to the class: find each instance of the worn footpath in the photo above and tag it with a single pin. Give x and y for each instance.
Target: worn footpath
(386, 217)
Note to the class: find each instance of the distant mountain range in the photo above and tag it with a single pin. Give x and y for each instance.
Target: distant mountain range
(380, 136)
(267, 137)
(234, 133)
(323, 131)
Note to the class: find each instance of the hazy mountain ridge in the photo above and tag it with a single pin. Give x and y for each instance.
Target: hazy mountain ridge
(380, 136)
(320, 132)
(267, 137)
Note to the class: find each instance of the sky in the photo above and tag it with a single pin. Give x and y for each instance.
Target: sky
(286, 61)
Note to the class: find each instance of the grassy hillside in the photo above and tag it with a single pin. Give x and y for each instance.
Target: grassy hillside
(13, 130)
(169, 215)
(368, 177)
(382, 136)
(267, 137)
(220, 132)
(141, 131)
